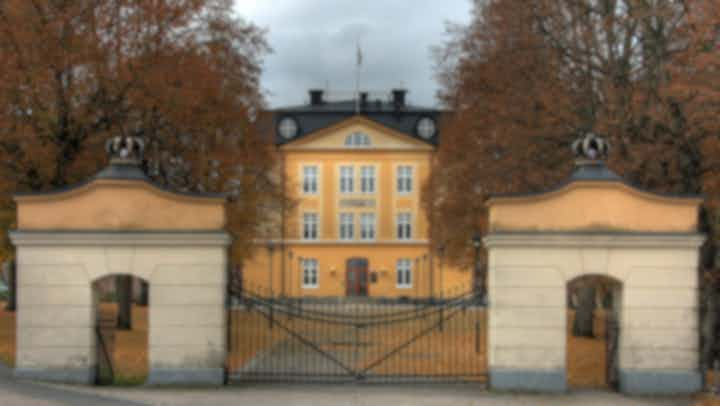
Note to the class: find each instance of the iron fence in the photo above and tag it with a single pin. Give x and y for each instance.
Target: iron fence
(357, 339)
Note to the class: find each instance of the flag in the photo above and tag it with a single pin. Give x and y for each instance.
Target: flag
(359, 55)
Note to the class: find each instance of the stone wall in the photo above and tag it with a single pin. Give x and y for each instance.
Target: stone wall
(528, 275)
(186, 272)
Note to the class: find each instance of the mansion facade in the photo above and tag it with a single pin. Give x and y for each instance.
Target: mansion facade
(354, 171)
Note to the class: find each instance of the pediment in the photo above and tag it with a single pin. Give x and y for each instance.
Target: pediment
(595, 206)
(380, 137)
(119, 205)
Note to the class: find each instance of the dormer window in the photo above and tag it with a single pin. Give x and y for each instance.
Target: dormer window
(357, 139)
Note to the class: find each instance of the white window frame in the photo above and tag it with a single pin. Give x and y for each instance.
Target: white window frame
(368, 226)
(346, 230)
(310, 227)
(357, 139)
(403, 273)
(311, 181)
(368, 183)
(403, 226)
(404, 179)
(346, 179)
(310, 273)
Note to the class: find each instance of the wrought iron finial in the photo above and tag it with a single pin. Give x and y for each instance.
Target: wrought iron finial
(125, 149)
(590, 148)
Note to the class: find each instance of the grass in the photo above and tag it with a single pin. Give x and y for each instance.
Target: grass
(426, 355)
(7, 336)
(587, 357)
(708, 400)
(128, 348)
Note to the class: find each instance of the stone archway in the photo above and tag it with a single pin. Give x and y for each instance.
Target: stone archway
(121, 331)
(119, 223)
(594, 224)
(593, 331)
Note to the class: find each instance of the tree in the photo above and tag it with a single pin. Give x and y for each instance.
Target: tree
(523, 79)
(124, 291)
(499, 81)
(181, 74)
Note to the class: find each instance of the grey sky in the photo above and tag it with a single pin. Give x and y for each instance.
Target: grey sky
(314, 44)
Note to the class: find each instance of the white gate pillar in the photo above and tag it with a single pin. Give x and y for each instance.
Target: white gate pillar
(120, 223)
(594, 224)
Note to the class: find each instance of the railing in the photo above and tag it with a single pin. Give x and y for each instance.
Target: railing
(105, 375)
(359, 340)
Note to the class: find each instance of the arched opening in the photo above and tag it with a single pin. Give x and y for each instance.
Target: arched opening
(120, 309)
(593, 330)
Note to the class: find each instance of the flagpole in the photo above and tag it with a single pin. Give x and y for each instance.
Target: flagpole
(357, 78)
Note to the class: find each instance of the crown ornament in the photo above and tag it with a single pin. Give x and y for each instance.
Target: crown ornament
(590, 148)
(125, 149)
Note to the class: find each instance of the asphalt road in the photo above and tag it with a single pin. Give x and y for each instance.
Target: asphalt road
(14, 393)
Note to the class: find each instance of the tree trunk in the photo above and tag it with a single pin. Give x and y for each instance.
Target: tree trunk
(123, 287)
(708, 327)
(584, 312)
(143, 299)
(12, 288)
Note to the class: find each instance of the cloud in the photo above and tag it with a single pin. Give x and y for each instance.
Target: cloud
(314, 43)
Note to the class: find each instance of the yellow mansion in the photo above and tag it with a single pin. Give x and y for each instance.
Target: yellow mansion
(354, 170)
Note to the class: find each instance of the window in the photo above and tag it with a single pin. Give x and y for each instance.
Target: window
(367, 179)
(404, 227)
(310, 226)
(310, 273)
(357, 140)
(404, 273)
(346, 226)
(310, 180)
(346, 179)
(404, 179)
(367, 226)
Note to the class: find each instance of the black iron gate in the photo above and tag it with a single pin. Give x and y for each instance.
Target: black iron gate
(612, 335)
(357, 340)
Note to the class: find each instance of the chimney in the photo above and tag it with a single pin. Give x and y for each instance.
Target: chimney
(399, 98)
(316, 97)
(363, 100)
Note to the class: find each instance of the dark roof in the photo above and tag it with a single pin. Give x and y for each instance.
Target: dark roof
(312, 118)
(596, 171)
(121, 171)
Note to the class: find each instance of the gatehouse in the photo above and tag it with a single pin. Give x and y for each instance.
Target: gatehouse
(118, 223)
(595, 224)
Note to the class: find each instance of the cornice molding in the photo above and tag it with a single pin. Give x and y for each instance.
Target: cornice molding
(120, 238)
(594, 240)
(279, 242)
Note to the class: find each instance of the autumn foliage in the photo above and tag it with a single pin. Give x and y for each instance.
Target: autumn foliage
(523, 79)
(182, 74)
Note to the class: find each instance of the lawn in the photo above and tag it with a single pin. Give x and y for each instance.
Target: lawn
(586, 357)
(411, 346)
(128, 347)
(7, 336)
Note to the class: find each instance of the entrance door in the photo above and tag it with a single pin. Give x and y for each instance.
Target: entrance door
(357, 277)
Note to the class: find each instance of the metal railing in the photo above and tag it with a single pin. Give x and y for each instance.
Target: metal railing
(358, 340)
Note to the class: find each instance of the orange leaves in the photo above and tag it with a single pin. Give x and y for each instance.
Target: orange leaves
(524, 78)
(182, 74)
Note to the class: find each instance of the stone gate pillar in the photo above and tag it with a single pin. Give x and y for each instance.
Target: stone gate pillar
(594, 224)
(120, 223)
